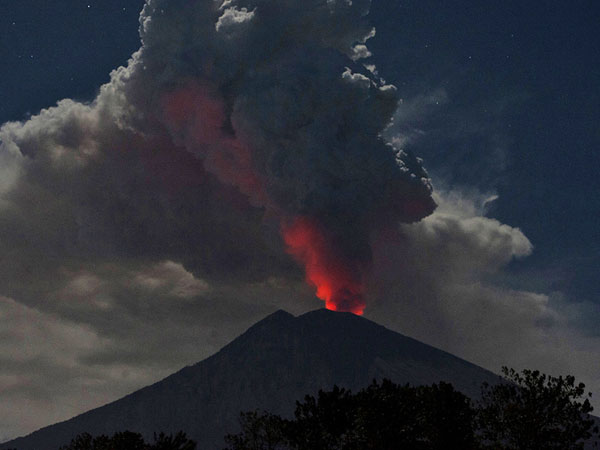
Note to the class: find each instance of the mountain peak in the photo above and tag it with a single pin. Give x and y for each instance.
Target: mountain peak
(324, 312)
(270, 366)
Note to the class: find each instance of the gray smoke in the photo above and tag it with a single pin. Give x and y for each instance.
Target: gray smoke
(274, 100)
(230, 120)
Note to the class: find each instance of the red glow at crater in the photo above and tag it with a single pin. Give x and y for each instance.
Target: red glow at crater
(335, 279)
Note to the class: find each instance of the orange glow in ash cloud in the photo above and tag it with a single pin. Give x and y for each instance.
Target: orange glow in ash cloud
(334, 278)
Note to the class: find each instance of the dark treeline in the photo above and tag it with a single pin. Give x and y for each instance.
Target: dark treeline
(128, 440)
(527, 411)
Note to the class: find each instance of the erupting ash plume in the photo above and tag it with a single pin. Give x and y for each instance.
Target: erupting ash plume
(337, 279)
(272, 96)
(234, 119)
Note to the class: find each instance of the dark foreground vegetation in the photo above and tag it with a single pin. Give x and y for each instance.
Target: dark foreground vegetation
(528, 411)
(127, 440)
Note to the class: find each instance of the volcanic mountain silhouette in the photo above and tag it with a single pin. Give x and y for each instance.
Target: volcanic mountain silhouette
(274, 363)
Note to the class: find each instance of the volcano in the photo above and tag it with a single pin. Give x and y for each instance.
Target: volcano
(274, 363)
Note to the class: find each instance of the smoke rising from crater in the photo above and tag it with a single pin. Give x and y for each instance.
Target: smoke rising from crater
(272, 98)
(242, 138)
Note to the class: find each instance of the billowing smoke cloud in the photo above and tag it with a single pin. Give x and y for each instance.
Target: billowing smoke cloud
(271, 99)
(239, 147)
(262, 104)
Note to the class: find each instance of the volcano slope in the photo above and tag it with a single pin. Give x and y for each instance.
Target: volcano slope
(274, 363)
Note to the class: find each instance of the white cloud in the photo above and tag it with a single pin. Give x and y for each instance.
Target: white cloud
(233, 18)
(171, 279)
(360, 52)
(11, 161)
(443, 283)
(39, 365)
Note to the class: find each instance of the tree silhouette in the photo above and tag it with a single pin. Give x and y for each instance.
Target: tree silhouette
(260, 431)
(127, 440)
(383, 416)
(535, 411)
(528, 411)
(170, 442)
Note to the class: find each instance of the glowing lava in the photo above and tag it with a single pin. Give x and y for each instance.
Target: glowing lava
(335, 279)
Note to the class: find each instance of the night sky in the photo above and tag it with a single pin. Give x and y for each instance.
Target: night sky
(521, 119)
(62, 50)
(500, 100)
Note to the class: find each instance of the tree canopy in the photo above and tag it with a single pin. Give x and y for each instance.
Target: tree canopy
(527, 411)
(382, 416)
(523, 411)
(535, 411)
(127, 440)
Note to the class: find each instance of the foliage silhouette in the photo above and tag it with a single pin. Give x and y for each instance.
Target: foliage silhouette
(535, 411)
(383, 416)
(528, 411)
(128, 440)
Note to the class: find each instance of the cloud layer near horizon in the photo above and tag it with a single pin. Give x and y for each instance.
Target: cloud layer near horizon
(140, 232)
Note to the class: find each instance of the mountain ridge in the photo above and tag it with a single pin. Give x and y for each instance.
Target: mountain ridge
(271, 365)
